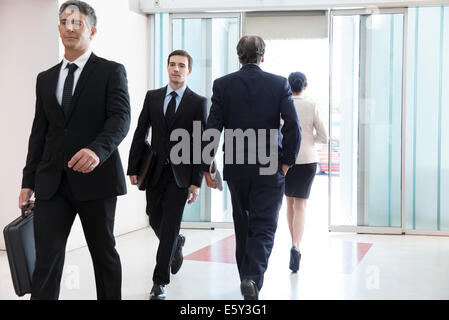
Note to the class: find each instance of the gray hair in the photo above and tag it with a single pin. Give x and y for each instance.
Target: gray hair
(84, 8)
(250, 49)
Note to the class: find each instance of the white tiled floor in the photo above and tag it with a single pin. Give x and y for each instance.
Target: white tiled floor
(395, 267)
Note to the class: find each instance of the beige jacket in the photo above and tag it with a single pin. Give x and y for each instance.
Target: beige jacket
(309, 120)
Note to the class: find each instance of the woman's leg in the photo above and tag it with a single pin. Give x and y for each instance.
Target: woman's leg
(298, 220)
(290, 215)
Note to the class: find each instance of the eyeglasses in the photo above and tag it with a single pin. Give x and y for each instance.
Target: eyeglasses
(77, 24)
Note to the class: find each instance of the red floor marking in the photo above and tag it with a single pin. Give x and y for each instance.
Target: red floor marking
(352, 254)
(347, 254)
(221, 251)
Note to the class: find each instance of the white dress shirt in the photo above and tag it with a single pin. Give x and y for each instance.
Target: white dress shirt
(309, 119)
(80, 62)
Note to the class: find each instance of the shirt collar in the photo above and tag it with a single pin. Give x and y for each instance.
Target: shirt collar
(179, 92)
(80, 61)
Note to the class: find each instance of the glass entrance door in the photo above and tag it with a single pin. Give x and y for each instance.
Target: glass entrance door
(366, 108)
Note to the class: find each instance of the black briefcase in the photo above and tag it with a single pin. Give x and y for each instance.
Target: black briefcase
(146, 167)
(19, 240)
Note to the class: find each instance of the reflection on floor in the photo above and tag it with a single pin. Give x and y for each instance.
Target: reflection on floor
(351, 253)
(333, 266)
(348, 253)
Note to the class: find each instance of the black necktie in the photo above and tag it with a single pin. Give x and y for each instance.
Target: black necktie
(170, 113)
(68, 89)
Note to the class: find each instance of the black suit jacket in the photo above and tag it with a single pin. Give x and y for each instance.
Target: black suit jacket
(99, 120)
(253, 99)
(193, 107)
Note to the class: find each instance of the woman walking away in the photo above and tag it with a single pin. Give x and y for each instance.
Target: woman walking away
(299, 178)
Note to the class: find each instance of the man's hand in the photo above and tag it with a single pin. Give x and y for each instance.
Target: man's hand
(24, 197)
(133, 180)
(84, 161)
(193, 191)
(285, 169)
(211, 183)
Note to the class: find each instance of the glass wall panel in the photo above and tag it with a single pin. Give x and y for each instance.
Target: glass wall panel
(211, 42)
(444, 121)
(427, 154)
(380, 105)
(344, 119)
(161, 48)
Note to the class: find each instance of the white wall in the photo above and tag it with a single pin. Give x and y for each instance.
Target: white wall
(30, 44)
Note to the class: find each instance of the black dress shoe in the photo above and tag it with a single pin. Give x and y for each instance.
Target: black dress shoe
(295, 258)
(249, 290)
(157, 292)
(178, 258)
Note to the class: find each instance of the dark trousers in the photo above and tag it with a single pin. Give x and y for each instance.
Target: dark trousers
(255, 208)
(165, 205)
(53, 220)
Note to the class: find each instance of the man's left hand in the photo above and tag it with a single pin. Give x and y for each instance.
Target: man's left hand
(84, 161)
(193, 194)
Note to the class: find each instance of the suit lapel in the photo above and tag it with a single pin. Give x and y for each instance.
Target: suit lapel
(84, 76)
(160, 108)
(53, 83)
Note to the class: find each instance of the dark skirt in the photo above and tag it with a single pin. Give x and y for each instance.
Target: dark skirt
(298, 181)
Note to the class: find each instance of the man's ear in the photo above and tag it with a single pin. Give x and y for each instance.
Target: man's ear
(93, 31)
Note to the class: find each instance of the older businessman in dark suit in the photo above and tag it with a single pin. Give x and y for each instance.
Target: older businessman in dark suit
(173, 107)
(73, 165)
(251, 99)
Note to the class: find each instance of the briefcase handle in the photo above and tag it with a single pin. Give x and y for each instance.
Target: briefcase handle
(24, 208)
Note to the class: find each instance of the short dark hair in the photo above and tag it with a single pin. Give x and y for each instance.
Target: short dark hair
(297, 81)
(182, 53)
(83, 7)
(250, 49)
